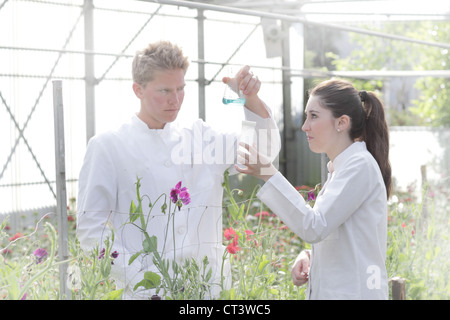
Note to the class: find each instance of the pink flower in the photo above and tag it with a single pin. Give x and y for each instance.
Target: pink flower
(262, 214)
(233, 248)
(16, 236)
(40, 255)
(249, 233)
(229, 233)
(180, 195)
(114, 255)
(311, 196)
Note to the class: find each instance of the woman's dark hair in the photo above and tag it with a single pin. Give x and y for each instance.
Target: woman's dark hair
(368, 122)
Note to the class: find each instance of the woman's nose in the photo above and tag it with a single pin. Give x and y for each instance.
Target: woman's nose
(305, 126)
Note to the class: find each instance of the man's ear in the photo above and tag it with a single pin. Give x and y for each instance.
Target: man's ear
(137, 90)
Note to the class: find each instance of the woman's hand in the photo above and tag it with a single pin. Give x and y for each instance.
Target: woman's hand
(255, 164)
(300, 270)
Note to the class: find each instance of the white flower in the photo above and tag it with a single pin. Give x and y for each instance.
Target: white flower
(394, 199)
(74, 277)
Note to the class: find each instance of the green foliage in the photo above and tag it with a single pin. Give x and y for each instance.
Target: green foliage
(375, 53)
(418, 244)
(418, 251)
(189, 281)
(261, 249)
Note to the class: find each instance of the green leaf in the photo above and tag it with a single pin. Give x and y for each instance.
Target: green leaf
(150, 244)
(134, 256)
(241, 211)
(263, 263)
(113, 295)
(151, 280)
(133, 214)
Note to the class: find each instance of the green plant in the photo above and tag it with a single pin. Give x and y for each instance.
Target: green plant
(187, 281)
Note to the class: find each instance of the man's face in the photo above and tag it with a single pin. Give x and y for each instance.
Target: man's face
(161, 98)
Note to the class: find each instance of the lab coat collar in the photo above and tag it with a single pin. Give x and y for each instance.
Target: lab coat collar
(341, 158)
(142, 127)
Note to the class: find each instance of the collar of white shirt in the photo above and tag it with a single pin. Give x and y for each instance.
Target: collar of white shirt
(341, 158)
(143, 127)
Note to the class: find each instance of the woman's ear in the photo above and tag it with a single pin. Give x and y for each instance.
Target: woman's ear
(343, 123)
(137, 90)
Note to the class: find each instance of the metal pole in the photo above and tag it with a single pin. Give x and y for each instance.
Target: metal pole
(201, 66)
(290, 18)
(288, 130)
(89, 68)
(61, 195)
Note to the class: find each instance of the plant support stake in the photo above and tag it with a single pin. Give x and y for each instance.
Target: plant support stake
(61, 197)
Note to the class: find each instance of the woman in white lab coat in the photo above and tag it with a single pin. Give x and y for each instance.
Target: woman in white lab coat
(347, 227)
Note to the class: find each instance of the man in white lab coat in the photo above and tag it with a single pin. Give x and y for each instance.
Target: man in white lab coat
(153, 148)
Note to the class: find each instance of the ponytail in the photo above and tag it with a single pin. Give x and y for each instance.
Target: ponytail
(376, 135)
(368, 122)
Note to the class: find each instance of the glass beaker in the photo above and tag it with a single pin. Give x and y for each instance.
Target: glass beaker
(233, 95)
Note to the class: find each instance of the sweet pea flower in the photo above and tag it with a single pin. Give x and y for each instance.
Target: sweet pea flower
(262, 214)
(114, 255)
(180, 195)
(229, 233)
(102, 254)
(16, 236)
(40, 255)
(233, 248)
(311, 196)
(249, 233)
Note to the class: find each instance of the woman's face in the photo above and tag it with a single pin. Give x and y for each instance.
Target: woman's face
(320, 127)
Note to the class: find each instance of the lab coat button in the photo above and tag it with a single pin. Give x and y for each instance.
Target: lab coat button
(168, 163)
(180, 230)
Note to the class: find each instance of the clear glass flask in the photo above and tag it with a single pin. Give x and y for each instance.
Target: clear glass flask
(233, 95)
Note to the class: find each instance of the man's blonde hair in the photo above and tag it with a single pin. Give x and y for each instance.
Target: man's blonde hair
(158, 56)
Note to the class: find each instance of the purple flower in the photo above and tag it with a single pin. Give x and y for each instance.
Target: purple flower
(40, 255)
(180, 195)
(102, 254)
(311, 196)
(114, 255)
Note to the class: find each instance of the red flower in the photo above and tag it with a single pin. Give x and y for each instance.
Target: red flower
(262, 214)
(229, 233)
(303, 187)
(233, 247)
(249, 233)
(16, 236)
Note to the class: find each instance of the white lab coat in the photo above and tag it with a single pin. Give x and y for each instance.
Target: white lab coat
(347, 226)
(198, 156)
